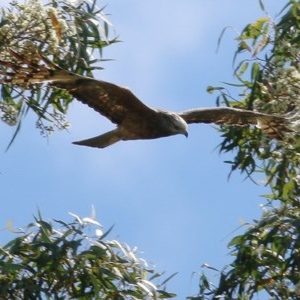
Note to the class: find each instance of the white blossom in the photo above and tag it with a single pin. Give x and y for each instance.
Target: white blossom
(8, 113)
(32, 25)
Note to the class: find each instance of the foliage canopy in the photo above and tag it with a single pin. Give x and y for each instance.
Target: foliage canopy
(74, 261)
(70, 33)
(266, 256)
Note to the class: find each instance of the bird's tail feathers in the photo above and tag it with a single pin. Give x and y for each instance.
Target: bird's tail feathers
(103, 140)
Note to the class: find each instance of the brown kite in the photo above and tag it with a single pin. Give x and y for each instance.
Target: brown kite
(134, 119)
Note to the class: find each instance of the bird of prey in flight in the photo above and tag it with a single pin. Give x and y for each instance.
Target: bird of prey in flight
(134, 119)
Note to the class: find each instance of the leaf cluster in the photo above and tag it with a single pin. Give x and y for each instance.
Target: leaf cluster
(266, 256)
(66, 261)
(268, 77)
(72, 36)
(266, 259)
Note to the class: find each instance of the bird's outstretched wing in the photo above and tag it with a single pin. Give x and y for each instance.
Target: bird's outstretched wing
(273, 125)
(112, 101)
(134, 119)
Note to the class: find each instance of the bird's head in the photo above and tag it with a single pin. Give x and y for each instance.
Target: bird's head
(176, 124)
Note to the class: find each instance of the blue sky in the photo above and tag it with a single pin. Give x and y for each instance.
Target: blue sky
(169, 197)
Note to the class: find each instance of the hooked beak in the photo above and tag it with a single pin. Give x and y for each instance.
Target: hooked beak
(186, 134)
